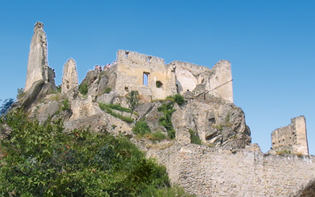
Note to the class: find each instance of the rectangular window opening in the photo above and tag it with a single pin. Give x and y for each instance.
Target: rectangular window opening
(145, 78)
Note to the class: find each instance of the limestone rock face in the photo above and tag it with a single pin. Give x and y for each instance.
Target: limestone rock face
(37, 66)
(69, 77)
(83, 108)
(217, 122)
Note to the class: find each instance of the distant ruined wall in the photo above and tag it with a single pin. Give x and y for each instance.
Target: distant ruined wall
(221, 81)
(208, 171)
(217, 81)
(37, 66)
(140, 72)
(292, 138)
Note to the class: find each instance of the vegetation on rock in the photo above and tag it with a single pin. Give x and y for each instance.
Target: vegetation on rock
(83, 88)
(108, 109)
(42, 160)
(133, 100)
(194, 137)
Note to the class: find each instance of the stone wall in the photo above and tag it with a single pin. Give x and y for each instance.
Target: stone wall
(140, 72)
(291, 138)
(217, 81)
(207, 171)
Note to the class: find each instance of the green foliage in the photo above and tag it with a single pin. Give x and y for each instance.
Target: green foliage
(21, 93)
(166, 120)
(177, 98)
(83, 88)
(133, 99)
(65, 105)
(159, 136)
(107, 90)
(194, 137)
(58, 89)
(227, 118)
(108, 109)
(119, 108)
(141, 127)
(42, 160)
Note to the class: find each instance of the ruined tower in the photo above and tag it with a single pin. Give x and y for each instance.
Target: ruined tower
(37, 66)
(291, 138)
(70, 76)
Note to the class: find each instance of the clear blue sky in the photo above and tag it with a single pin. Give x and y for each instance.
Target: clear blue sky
(271, 45)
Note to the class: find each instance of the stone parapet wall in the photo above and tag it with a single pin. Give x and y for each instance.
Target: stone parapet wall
(207, 171)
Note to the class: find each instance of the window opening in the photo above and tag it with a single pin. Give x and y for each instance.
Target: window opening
(158, 84)
(145, 78)
(126, 53)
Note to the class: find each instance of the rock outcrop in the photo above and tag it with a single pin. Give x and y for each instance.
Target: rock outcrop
(37, 66)
(40, 78)
(69, 77)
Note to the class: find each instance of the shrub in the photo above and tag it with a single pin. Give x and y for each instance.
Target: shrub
(83, 88)
(21, 93)
(177, 98)
(194, 137)
(42, 160)
(65, 105)
(166, 120)
(141, 127)
(107, 90)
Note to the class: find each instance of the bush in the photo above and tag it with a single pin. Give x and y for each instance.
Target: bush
(166, 120)
(107, 90)
(194, 137)
(141, 127)
(21, 93)
(177, 98)
(65, 105)
(42, 160)
(83, 88)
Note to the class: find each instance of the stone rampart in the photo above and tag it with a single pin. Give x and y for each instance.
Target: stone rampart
(207, 171)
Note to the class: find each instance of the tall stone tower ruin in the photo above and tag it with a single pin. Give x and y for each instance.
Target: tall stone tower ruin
(37, 66)
(70, 76)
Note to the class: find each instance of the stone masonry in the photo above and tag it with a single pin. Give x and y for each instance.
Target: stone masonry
(154, 80)
(291, 138)
(207, 171)
(69, 77)
(37, 66)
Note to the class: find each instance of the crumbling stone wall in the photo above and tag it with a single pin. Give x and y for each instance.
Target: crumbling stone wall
(217, 81)
(146, 74)
(37, 66)
(291, 138)
(207, 171)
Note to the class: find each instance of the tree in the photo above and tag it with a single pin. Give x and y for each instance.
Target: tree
(133, 100)
(43, 160)
(6, 105)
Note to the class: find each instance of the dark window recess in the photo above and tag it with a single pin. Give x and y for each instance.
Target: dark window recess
(159, 84)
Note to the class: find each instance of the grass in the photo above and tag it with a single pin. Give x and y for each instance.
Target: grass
(194, 137)
(108, 109)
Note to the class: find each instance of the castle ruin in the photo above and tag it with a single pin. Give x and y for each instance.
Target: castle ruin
(291, 138)
(227, 164)
(154, 79)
